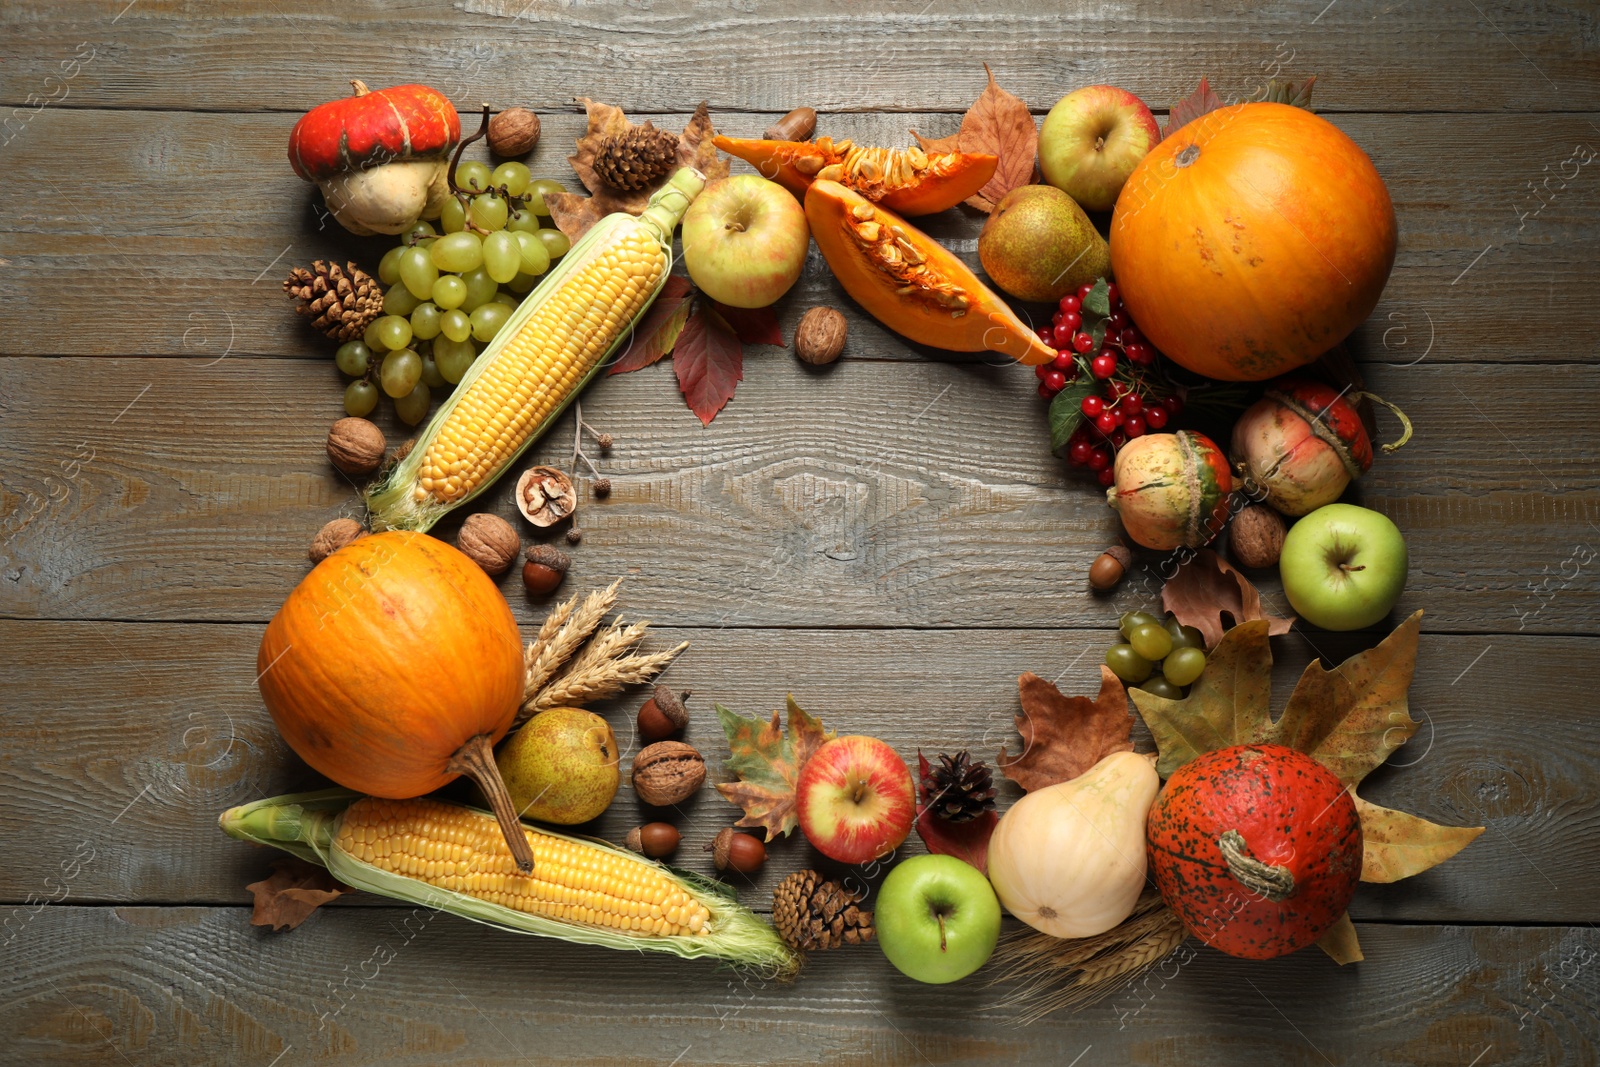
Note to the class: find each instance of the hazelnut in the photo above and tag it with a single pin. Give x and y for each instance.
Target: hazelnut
(513, 132)
(740, 853)
(663, 715)
(334, 536)
(667, 772)
(797, 125)
(545, 496)
(1256, 537)
(1108, 569)
(654, 839)
(545, 569)
(489, 541)
(356, 446)
(820, 336)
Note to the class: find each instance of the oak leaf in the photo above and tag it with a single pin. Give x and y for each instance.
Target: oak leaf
(1398, 844)
(767, 761)
(709, 361)
(287, 897)
(655, 336)
(997, 124)
(1064, 736)
(966, 841)
(1206, 588)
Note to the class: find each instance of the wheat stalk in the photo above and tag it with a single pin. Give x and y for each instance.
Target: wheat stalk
(551, 649)
(576, 688)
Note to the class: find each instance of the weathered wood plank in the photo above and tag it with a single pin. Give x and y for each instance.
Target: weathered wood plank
(176, 986)
(195, 270)
(879, 494)
(161, 723)
(835, 55)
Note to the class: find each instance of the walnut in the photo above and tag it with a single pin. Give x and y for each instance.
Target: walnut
(545, 496)
(489, 541)
(1256, 537)
(820, 336)
(334, 536)
(356, 446)
(513, 132)
(668, 772)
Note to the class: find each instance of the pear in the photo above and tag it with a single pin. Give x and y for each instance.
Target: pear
(1039, 245)
(562, 767)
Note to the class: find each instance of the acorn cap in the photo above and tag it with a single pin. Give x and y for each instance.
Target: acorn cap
(550, 556)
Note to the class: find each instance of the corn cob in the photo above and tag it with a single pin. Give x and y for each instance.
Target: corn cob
(455, 859)
(551, 346)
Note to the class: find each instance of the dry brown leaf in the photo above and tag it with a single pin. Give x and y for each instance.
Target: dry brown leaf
(573, 214)
(1340, 942)
(287, 897)
(1064, 736)
(997, 124)
(768, 762)
(1398, 845)
(1206, 588)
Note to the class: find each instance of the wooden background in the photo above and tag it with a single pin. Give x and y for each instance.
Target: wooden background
(889, 539)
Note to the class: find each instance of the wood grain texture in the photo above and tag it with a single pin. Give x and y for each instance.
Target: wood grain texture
(873, 494)
(763, 55)
(178, 986)
(163, 720)
(190, 222)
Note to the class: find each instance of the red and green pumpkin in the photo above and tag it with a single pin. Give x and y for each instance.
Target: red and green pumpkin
(1171, 489)
(1257, 848)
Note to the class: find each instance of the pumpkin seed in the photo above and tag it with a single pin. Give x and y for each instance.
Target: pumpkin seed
(866, 211)
(808, 164)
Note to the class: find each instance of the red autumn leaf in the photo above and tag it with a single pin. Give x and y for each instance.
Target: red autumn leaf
(966, 841)
(1206, 589)
(709, 361)
(768, 762)
(1064, 736)
(1200, 102)
(287, 897)
(754, 326)
(655, 336)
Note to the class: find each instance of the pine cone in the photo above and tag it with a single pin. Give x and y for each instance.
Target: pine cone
(637, 158)
(339, 301)
(812, 914)
(959, 788)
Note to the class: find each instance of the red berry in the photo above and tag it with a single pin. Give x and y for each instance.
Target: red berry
(1133, 403)
(1114, 295)
(1118, 414)
(1061, 336)
(1174, 405)
(1156, 417)
(1115, 390)
(1071, 302)
(1045, 392)
(1119, 438)
(1065, 364)
(1080, 452)
(1083, 292)
(1099, 460)
(1055, 380)
(1044, 334)
(1104, 365)
(1107, 477)
(1092, 406)
(1141, 354)
(1041, 370)
(1116, 322)
(1082, 342)
(1131, 336)
(1071, 319)
(1106, 422)
(1134, 426)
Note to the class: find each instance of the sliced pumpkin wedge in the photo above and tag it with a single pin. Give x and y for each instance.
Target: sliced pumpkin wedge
(908, 181)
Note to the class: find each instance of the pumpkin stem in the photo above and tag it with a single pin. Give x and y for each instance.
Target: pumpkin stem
(1275, 883)
(359, 86)
(1405, 423)
(475, 759)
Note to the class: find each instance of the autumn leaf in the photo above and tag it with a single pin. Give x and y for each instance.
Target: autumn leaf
(1398, 845)
(753, 326)
(1340, 942)
(997, 124)
(655, 336)
(1293, 93)
(1206, 589)
(768, 761)
(1064, 736)
(967, 841)
(1229, 704)
(709, 361)
(1200, 102)
(294, 889)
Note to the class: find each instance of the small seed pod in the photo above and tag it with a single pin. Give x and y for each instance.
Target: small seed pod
(654, 839)
(797, 125)
(545, 569)
(663, 715)
(1108, 569)
(740, 853)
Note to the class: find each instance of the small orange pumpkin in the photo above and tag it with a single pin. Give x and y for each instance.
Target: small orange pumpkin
(1252, 240)
(393, 668)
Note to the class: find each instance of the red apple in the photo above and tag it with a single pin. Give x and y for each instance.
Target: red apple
(744, 241)
(1091, 141)
(856, 802)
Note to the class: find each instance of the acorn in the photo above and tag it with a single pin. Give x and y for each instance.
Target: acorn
(545, 569)
(740, 853)
(654, 839)
(1109, 568)
(663, 715)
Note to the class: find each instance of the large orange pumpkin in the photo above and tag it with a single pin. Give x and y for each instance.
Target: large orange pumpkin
(1252, 240)
(394, 667)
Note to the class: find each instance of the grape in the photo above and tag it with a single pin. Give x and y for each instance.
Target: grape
(400, 372)
(514, 176)
(425, 321)
(1183, 665)
(522, 283)
(473, 175)
(453, 219)
(453, 358)
(1185, 636)
(1132, 619)
(488, 212)
(1151, 641)
(537, 192)
(522, 221)
(418, 272)
(480, 289)
(352, 358)
(417, 231)
(1127, 664)
(535, 257)
(394, 332)
(555, 242)
(399, 301)
(449, 291)
(508, 299)
(430, 373)
(389, 265)
(455, 325)
(501, 256)
(458, 252)
(413, 407)
(487, 320)
(1161, 687)
(370, 337)
(360, 397)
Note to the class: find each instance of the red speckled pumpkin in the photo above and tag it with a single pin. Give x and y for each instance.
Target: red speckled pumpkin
(1257, 848)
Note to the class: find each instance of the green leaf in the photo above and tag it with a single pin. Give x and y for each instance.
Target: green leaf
(1066, 412)
(1293, 93)
(1229, 704)
(1098, 302)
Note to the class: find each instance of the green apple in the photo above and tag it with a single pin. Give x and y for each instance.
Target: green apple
(1343, 567)
(937, 918)
(745, 240)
